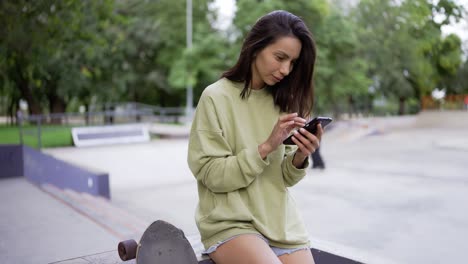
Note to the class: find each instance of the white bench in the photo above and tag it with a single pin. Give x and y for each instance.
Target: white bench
(114, 134)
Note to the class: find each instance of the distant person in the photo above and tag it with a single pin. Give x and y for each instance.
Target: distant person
(317, 161)
(466, 102)
(245, 213)
(19, 116)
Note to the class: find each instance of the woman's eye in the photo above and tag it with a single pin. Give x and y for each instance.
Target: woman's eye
(291, 64)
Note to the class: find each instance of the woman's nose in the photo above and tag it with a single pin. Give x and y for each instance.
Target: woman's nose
(285, 68)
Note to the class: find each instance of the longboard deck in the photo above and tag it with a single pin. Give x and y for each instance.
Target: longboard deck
(164, 243)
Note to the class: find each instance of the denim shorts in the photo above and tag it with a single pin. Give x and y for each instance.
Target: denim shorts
(278, 251)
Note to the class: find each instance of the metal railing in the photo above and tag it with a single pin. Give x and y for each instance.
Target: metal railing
(141, 114)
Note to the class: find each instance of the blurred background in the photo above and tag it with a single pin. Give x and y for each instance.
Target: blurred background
(392, 73)
(377, 57)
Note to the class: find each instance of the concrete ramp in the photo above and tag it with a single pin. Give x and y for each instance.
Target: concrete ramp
(442, 119)
(170, 130)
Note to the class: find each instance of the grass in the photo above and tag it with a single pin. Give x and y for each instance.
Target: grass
(51, 135)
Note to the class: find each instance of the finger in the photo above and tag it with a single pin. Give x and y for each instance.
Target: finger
(287, 117)
(307, 134)
(308, 143)
(287, 125)
(300, 119)
(301, 147)
(299, 122)
(314, 140)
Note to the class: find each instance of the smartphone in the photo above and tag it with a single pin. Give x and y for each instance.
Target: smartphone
(311, 126)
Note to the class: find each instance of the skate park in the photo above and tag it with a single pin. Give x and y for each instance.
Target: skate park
(97, 100)
(394, 191)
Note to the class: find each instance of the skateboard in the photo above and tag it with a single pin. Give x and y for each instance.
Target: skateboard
(160, 243)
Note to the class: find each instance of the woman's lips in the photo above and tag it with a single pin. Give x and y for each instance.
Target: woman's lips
(277, 79)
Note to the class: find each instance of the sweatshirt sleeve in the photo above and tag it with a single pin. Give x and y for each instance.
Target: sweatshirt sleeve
(291, 174)
(211, 159)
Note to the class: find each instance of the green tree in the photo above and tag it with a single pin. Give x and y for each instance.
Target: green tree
(43, 46)
(459, 84)
(404, 46)
(341, 68)
(103, 51)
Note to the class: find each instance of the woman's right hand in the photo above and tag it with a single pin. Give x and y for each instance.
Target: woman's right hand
(281, 131)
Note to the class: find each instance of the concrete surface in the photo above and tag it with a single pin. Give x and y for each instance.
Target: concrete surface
(394, 190)
(37, 228)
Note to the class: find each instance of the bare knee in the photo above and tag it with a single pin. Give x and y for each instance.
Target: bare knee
(247, 248)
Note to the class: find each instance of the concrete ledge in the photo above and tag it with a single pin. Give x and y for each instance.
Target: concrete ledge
(448, 118)
(40, 168)
(112, 257)
(11, 161)
(170, 131)
(325, 251)
(105, 135)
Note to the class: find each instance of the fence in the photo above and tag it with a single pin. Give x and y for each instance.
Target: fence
(136, 113)
(450, 102)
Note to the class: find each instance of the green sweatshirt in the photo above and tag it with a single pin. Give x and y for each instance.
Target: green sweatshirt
(239, 192)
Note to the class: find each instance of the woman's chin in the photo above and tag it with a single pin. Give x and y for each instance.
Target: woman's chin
(271, 82)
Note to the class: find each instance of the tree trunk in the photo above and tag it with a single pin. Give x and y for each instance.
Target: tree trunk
(86, 113)
(352, 106)
(23, 85)
(57, 104)
(12, 113)
(401, 106)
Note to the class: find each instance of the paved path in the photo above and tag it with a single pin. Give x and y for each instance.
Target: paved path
(394, 189)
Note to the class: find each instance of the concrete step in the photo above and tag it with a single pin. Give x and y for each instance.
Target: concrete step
(115, 220)
(101, 211)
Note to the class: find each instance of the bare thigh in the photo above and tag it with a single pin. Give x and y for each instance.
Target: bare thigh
(247, 248)
(298, 257)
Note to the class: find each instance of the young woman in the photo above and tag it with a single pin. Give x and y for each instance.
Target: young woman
(245, 213)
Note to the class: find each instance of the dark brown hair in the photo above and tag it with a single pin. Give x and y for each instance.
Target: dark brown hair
(295, 92)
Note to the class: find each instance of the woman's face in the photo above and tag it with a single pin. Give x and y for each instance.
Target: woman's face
(275, 61)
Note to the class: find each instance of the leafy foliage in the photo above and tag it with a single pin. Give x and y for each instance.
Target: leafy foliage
(53, 52)
(408, 55)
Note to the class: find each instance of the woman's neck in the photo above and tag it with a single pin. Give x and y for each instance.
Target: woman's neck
(256, 83)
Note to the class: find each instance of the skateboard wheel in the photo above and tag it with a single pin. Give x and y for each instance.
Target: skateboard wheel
(127, 249)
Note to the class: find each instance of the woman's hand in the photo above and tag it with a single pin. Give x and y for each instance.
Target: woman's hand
(281, 131)
(307, 143)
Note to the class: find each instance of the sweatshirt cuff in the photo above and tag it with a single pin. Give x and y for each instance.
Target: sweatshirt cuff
(291, 169)
(252, 162)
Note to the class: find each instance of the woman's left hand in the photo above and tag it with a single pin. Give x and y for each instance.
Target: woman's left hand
(307, 143)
